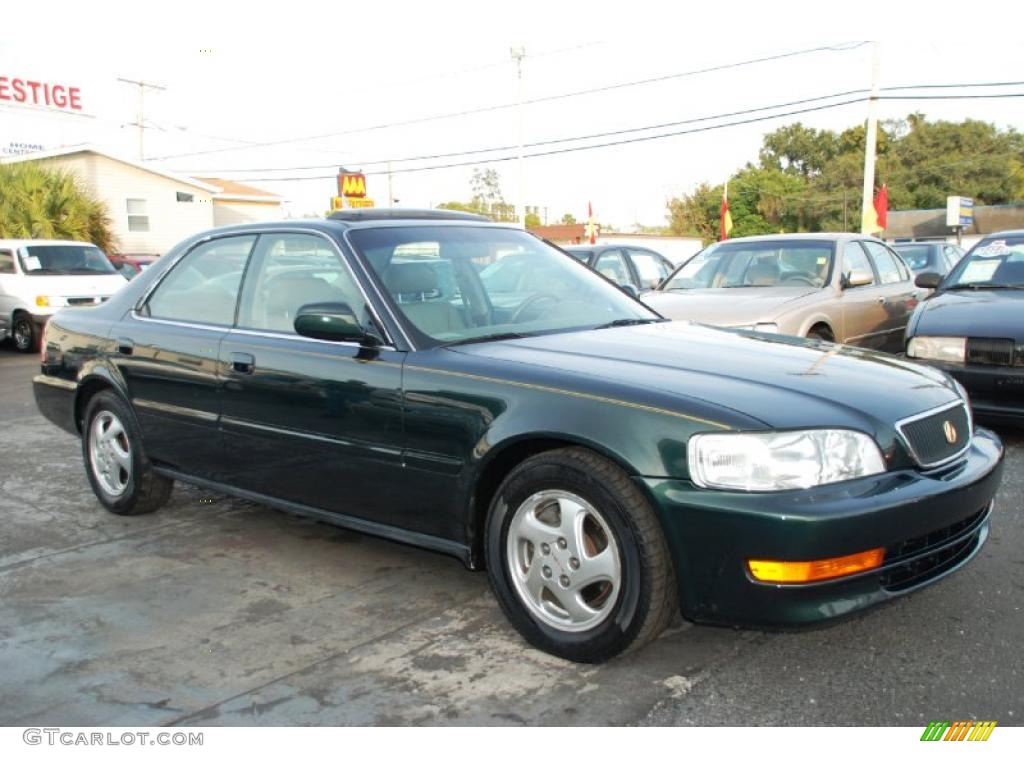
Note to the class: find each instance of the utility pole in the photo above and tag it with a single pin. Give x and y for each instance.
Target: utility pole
(140, 114)
(391, 197)
(518, 54)
(870, 147)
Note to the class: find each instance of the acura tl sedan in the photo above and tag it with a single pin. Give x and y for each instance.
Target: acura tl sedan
(846, 288)
(973, 326)
(606, 467)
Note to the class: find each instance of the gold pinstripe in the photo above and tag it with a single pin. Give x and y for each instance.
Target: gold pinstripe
(572, 393)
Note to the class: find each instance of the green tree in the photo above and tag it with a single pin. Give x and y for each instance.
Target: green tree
(567, 218)
(485, 197)
(532, 220)
(45, 203)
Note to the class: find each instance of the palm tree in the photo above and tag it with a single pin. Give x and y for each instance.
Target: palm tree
(49, 203)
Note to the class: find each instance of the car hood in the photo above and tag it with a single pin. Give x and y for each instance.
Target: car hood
(780, 381)
(726, 306)
(973, 313)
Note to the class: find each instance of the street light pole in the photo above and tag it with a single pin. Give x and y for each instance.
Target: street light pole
(867, 219)
(518, 54)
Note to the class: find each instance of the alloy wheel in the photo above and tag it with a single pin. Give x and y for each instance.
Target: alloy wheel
(110, 454)
(564, 560)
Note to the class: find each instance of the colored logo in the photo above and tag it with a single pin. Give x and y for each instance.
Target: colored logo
(950, 432)
(352, 185)
(961, 730)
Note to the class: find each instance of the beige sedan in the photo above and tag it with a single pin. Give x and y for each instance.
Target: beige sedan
(848, 288)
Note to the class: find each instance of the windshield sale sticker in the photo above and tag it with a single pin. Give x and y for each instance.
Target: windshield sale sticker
(32, 263)
(979, 271)
(993, 249)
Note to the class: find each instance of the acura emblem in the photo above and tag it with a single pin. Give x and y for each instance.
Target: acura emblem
(950, 432)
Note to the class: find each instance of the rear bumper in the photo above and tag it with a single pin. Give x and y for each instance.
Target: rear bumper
(55, 399)
(930, 525)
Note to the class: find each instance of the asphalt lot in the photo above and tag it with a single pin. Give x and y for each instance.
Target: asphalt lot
(215, 611)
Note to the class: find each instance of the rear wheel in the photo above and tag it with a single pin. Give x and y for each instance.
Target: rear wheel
(577, 557)
(115, 462)
(25, 333)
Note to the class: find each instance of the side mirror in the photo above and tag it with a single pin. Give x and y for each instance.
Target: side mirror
(332, 321)
(857, 277)
(928, 280)
(631, 290)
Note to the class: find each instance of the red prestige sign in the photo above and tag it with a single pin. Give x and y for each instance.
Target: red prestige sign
(40, 94)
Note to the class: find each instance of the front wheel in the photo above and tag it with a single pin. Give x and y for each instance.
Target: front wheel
(115, 462)
(25, 333)
(577, 557)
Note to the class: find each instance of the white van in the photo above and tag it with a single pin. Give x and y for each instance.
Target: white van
(38, 277)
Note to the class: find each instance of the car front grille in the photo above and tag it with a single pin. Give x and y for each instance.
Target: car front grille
(990, 351)
(928, 436)
(915, 561)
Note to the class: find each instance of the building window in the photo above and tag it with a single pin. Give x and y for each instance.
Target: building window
(184, 197)
(138, 219)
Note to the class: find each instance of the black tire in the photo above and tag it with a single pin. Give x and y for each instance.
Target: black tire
(25, 333)
(144, 490)
(821, 333)
(647, 597)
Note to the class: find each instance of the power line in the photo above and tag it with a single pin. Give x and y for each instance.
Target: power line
(538, 100)
(637, 139)
(656, 126)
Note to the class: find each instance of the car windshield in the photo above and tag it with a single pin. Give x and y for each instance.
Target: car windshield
(756, 264)
(458, 284)
(996, 262)
(918, 256)
(65, 260)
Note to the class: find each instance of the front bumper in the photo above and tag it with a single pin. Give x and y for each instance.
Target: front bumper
(930, 524)
(997, 392)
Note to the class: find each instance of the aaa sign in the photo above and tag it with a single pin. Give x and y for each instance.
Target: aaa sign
(352, 185)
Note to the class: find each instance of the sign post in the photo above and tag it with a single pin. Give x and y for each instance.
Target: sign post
(959, 214)
(351, 192)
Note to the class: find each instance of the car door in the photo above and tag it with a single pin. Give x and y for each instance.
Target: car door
(310, 421)
(612, 264)
(650, 268)
(167, 351)
(897, 292)
(863, 310)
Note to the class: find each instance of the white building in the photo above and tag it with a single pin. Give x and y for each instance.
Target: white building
(152, 209)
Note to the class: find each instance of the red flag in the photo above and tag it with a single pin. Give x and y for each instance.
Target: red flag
(882, 206)
(590, 230)
(724, 217)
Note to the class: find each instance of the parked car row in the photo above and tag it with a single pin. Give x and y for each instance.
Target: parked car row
(445, 381)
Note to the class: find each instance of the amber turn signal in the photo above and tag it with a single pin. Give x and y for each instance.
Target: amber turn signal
(796, 572)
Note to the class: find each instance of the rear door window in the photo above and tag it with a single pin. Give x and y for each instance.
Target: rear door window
(203, 287)
(886, 263)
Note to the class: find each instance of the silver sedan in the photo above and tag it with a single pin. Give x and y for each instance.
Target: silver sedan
(847, 288)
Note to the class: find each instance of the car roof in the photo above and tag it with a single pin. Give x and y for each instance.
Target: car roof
(835, 236)
(1006, 233)
(395, 218)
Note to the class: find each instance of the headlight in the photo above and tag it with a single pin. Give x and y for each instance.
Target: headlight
(952, 349)
(51, 301)
(776, 461)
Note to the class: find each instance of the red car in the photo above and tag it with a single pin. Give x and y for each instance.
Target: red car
(130, 264)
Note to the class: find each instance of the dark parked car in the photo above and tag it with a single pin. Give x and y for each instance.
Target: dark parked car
(973, 326)
(626, 265)
(929, 257)
(605, 466)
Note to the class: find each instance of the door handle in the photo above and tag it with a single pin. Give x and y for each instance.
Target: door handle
(242, 362)
(125, 346)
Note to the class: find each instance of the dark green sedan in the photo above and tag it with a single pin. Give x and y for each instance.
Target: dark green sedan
(605, 466)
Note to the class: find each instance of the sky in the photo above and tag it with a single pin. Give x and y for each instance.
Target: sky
(251, 79)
